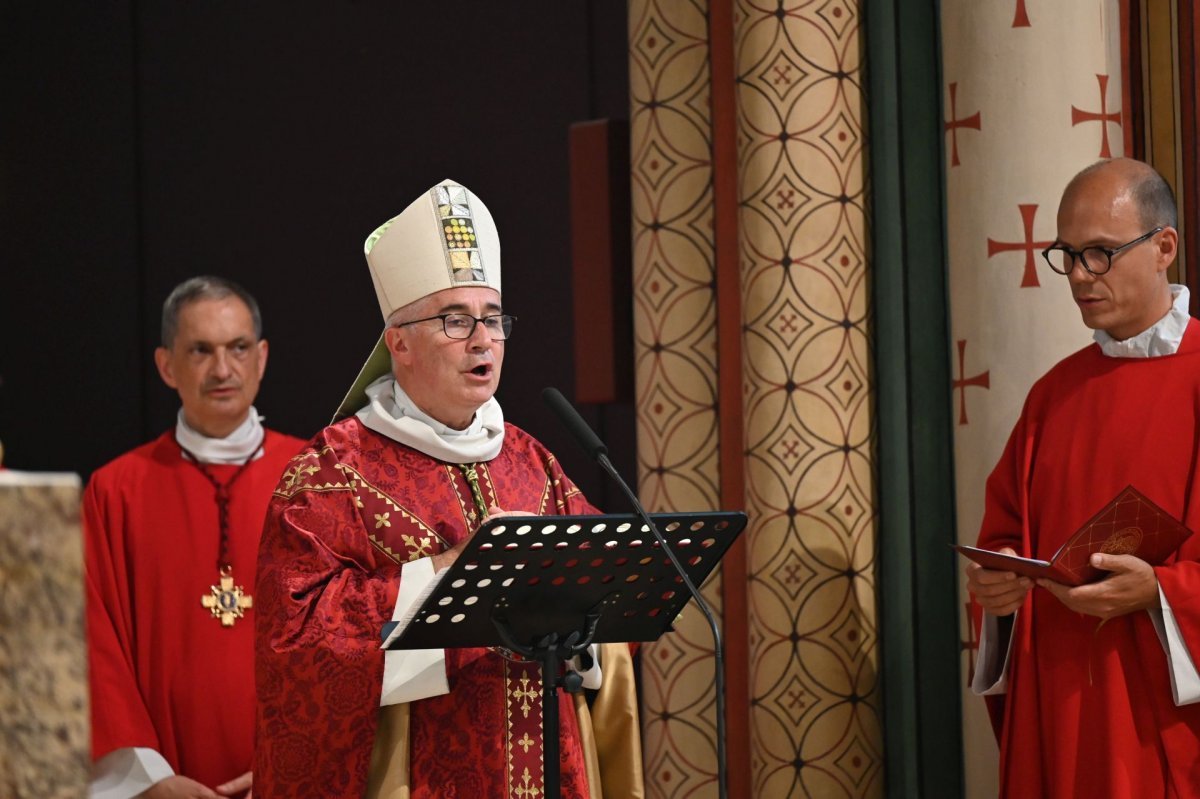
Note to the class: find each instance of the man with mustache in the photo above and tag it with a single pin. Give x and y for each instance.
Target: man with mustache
(365, 516)
(172, 532)
(1093, 688)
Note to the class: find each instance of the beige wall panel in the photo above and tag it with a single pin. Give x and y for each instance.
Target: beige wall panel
(1013, 140)
(815, 728)
(675, 350)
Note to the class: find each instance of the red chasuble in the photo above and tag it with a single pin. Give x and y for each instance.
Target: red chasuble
(349, 511)
(1089, 710)
(164, 672)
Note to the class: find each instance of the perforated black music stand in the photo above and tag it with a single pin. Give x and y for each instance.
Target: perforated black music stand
(547, 587)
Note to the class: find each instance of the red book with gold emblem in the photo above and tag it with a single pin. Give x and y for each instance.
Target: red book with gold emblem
(1130, 524)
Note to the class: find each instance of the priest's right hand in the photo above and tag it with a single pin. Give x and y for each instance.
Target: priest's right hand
(179, 787)
(999, 593)
(443, 559)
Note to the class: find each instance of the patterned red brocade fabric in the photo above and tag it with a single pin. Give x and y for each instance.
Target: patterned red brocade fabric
(1089, 709)
(348, 512)
(164, 673)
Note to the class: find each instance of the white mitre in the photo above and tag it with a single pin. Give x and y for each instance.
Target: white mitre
(445, 239)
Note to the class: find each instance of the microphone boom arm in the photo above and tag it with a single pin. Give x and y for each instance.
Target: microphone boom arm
(722, 779)
(592, 444)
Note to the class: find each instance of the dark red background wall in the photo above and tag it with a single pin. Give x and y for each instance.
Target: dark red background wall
(144, 142)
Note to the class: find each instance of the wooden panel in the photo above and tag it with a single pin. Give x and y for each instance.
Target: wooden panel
(729, 389)
(1189, 152)
(600, 260)
(1159, 26)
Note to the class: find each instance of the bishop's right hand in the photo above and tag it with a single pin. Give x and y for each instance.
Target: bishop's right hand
(445, 559)
(1000, 593)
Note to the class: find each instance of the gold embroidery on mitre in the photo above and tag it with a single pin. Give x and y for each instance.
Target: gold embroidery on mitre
(464, 260)
(1123, 542)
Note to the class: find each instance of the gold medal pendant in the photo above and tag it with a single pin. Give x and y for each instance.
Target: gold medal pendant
(227, 602)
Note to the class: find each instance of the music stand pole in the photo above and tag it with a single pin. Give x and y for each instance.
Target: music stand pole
(550, 652)
(718, 645)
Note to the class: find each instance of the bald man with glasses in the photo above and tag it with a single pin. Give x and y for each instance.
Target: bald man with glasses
(1094, 688)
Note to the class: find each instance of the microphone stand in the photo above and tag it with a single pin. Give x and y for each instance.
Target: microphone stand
(592, 444)
(722, 779)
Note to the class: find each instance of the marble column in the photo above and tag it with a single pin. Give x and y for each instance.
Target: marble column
(44, 743)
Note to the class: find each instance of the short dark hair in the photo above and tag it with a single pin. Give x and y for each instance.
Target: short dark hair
(204, 287)
(1155, 200)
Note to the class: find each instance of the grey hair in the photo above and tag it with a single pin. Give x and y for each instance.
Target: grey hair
(204, 287)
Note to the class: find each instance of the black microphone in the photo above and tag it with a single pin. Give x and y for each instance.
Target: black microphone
(571, 419)
(594, 447)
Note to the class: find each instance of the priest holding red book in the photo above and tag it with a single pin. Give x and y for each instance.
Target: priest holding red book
(1094, 689)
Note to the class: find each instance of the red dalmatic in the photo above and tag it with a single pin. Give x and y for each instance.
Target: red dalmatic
(349, 511)
(164, 672)
(1089, 710)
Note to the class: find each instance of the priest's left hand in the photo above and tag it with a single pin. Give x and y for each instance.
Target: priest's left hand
(236, 785)
(1130, 586)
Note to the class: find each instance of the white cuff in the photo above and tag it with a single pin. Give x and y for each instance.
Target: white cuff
(127, 772)
(412, 674)
(1185, 682)
(593, 677)
(991, 669)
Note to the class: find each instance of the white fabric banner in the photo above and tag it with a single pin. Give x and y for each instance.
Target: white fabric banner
(1032, 95)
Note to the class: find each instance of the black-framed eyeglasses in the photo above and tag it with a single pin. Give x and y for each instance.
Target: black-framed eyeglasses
(462, 325)
(1096, 260)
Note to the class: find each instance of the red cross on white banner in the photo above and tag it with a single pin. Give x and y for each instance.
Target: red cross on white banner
(1021, 17)
(1029, 278)
(1104, 116)
(981, 380)
(952, 125)
(971, 642)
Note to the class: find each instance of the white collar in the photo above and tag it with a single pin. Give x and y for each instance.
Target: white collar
(1161, 338)
(392, 413)
(243, 443)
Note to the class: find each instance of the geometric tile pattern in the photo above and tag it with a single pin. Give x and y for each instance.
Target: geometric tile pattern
(675, 351)
(814, 661)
